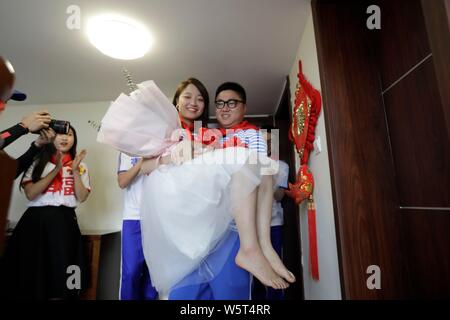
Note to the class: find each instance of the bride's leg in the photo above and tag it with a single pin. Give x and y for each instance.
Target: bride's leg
(250, 257)
(263, 220)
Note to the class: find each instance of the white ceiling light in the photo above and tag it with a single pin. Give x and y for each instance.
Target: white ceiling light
(119, 37)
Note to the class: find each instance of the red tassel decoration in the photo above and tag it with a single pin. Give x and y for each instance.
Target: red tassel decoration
(302, 133)
(313, 255)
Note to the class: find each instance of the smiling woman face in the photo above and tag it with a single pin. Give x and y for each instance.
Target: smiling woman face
(64, 142)
(191, 103)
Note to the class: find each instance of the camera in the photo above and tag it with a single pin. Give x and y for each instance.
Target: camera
(60, 126)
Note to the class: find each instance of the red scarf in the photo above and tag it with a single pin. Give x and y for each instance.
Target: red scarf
(244, 125)
(57, 183)
(235, 141)
(212, 136)
(189, 129)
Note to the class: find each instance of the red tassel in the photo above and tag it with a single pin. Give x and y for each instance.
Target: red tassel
(313, 256)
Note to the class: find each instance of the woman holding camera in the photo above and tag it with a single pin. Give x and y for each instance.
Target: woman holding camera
(36, 122)
(45, 257)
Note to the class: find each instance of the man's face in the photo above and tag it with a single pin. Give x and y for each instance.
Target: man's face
(227, 117)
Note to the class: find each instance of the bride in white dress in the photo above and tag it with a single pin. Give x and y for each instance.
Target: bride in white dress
(186, 209)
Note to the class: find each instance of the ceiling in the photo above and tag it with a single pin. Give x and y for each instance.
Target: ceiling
(253, 42)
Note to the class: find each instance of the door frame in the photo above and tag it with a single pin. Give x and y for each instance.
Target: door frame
(292, 231)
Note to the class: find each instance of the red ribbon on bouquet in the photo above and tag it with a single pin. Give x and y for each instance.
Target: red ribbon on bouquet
(302, 133)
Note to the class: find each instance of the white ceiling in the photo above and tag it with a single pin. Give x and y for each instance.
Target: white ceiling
(253, 42)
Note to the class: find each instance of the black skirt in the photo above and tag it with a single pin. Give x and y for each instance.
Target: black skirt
(45, 257)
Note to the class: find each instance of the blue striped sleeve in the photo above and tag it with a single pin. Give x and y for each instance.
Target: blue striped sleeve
(255, 141)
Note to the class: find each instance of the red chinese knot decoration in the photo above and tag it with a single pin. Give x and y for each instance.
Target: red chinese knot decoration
(307, 108)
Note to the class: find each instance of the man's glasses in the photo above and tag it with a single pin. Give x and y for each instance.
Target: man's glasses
(232, 103)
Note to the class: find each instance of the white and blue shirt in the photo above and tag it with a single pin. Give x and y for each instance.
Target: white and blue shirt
(133, 193)
(253, 139)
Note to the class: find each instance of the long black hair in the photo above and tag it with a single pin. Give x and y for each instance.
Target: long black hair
(45, 155)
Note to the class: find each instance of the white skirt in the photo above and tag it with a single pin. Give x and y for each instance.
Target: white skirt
(186, 210)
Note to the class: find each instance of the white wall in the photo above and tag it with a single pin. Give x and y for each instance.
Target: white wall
(329, 285)
(103, 209)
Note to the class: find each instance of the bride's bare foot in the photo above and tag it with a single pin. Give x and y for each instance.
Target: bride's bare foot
(278, 265)
(255, 263)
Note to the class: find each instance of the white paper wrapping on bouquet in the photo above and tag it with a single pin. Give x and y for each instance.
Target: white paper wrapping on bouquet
(141, 124)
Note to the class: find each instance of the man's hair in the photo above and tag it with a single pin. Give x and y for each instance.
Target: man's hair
(236, 87)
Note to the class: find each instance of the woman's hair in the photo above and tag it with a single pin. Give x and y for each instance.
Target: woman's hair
(44, 156)
(197, 83)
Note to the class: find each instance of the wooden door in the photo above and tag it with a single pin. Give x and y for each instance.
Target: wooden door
(387, 118)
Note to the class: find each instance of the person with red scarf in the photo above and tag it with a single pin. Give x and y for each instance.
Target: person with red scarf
(247, 248)
(46, 243)
(189, 238)
(190, 99)
(256, 246)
